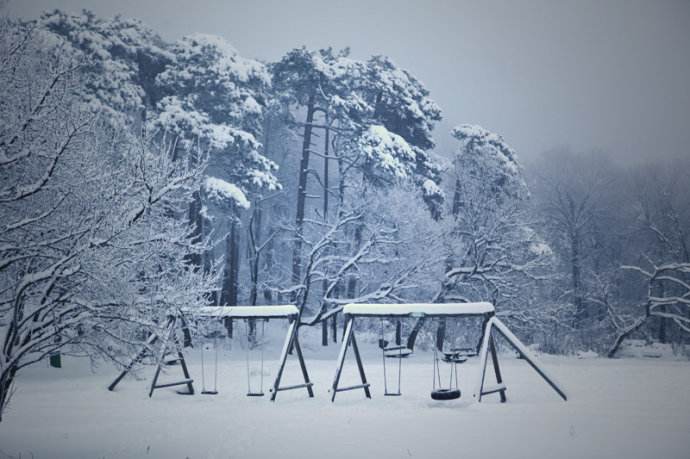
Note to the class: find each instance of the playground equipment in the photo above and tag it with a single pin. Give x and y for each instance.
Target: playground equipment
(204, 390)
(485, 346)
(397, 352)
(248, 345)
(452, 391)
(168, 335)
(262, 313)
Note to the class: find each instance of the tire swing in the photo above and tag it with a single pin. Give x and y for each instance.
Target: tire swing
(453, 358)
(452, 391)
(204, 389)
(391, 352)
(260, 392)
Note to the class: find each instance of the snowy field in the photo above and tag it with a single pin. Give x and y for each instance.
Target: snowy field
(627, 408)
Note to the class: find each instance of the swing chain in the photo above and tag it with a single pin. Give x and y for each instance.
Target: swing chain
(382, 343)
(262, 335)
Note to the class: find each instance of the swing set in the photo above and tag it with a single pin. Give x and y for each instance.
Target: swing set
(169, 345)
(251, 339)
(452, 357)
(247, 313)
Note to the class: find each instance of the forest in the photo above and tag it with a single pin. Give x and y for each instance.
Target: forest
(139, 176)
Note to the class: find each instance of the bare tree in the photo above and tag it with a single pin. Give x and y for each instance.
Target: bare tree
(672, 304)
(91, 249)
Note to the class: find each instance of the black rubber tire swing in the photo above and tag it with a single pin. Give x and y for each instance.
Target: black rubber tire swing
(445, 394)
(452, 392)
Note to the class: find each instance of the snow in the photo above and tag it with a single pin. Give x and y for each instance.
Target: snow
(489, 159)
(430, 188)
(221, 190)
(540, 248)
(623, 408)
(388, 151)
(246, 311)
(228, 63)
(642, 349)
(419, 309)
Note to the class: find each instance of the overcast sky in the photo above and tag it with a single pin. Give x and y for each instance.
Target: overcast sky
(610, 75)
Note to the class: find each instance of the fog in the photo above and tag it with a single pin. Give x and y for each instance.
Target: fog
(589, 75)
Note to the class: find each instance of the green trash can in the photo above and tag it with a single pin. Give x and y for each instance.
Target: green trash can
(56, 360)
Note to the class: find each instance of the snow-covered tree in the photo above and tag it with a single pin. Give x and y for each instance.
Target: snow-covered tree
(91, 254)
(489, 249)
(667, 297)
(122, 59)
(214, 98)
(379, 119)
(579, 203)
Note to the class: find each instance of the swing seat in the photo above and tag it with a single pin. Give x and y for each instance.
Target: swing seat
(454, 357)
(255, 394)
(397, 352)
(445, 394)
(465, 351)
(209, 392)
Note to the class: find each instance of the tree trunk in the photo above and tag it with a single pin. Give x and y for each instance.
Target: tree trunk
(662, 320)
(268, 267)
(414, 332)
(457, 198)
(256, 256)
(324, 324)
(576, 281)
(352, 280)
(441, 333)
(302, 193)
(195, 221)
(334, 328)
(6, 380)
(228, 295)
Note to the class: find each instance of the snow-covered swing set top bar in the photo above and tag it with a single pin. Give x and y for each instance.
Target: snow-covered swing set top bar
(485, 347)
(288, 311)
(419, 309)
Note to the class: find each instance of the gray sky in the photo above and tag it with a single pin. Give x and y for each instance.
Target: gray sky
(612, 75)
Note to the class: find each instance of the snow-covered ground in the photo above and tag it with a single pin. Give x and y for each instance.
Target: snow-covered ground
(627, 408)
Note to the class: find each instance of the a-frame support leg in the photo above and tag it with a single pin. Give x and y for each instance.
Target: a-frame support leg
(497, 370)
(360, 366)
(185, 370)
(487, 347)
(344, 343)
(527, 356)
(283, 359)
(349, 338)
(152, 339)
(170, 334)
(291, 341)
(303, 366)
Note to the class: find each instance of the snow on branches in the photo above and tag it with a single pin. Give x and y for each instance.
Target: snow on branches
(93, 255)
(387, 151)
(219, 189)
(490, 163)
(668, 297)
(214, 98)
(120, 58)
